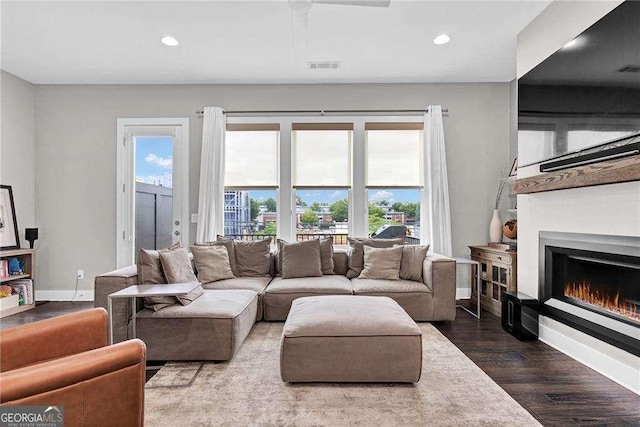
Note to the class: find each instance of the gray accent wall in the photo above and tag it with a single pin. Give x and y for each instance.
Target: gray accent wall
(76, 154)
(17, 147)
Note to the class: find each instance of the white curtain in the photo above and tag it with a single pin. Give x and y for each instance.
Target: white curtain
(211, 193)
(435, 210)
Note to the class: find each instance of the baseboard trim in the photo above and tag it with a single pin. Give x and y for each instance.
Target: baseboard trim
(622, 373)
(81, 295)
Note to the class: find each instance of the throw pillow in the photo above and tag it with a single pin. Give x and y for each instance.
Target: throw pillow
(356, 258)
(412, 260)
(381, 263)
(177, 266)
(150, 273)
(191, 296)
(252, 257)
(230, 249)
(212, 263)
(301, 259)
(326, 256)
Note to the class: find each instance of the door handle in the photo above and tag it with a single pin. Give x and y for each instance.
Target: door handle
(177, 232)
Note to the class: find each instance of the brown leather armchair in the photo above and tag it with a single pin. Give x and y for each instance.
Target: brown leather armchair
(66, 361)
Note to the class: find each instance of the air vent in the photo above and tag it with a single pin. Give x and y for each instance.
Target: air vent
(324, 65)
(630, 69)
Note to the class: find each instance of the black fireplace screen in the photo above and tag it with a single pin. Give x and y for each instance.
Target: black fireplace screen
(602, 282)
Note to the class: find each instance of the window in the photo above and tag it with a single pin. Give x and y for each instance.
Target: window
(394, 179)
(251, 181)
(321, 178)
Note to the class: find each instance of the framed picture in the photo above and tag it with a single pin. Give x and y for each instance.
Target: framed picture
(514, 167)
(9, 238)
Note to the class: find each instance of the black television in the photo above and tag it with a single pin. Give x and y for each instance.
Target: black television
(586, 96)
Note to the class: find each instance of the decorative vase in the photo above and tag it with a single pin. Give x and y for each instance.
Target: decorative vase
(495, 228)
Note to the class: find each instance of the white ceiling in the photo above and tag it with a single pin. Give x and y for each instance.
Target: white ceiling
(90, 42)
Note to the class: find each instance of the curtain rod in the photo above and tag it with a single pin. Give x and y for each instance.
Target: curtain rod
(322, 112)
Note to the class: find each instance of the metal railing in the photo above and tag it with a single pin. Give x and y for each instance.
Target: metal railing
(338, 239)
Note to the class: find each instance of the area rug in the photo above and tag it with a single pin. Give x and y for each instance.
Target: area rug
(248, 391)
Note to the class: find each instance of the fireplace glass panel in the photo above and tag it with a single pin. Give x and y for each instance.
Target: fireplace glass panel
(600, 282)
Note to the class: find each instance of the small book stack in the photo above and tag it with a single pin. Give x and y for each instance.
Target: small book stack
(24, 288)
(509, 247)
(4, 268)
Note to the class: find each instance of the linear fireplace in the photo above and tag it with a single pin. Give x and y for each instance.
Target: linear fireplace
(592, 283)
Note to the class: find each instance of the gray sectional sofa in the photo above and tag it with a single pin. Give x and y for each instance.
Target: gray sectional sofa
(214, 326)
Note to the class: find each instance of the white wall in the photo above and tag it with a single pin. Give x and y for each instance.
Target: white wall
(609, 209)
(76, 153)
(17, 137)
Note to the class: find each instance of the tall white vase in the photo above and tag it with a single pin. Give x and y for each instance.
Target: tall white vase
(495, 228)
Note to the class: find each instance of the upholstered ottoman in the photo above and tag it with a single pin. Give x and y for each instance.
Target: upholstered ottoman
(350, 339)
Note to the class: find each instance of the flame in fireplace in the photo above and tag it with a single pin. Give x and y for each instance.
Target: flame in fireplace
(591, 295)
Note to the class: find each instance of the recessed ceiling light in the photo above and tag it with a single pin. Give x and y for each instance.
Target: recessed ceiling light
(442, 39)
(169, 41)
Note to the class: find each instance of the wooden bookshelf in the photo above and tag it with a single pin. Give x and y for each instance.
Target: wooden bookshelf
(28, 257)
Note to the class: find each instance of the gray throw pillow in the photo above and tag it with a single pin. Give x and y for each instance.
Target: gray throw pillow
(252, 257)
(356, 257)
(381, 263)
(191, 296)
(301, 259)
(230, 249)
(326, 256)
(412, 261)
(212, 263)
(150, 273)
(177, 266)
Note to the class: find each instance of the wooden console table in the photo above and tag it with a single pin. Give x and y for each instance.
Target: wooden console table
(498, 272)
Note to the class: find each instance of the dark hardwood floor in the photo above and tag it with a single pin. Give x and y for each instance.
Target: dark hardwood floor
(554, 388)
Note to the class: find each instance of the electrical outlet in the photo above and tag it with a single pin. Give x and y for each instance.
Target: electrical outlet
(80, 274)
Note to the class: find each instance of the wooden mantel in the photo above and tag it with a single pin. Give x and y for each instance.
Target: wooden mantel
(606, 172)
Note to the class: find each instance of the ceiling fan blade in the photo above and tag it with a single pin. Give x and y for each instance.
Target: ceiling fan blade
(299, 29)
(367, 3)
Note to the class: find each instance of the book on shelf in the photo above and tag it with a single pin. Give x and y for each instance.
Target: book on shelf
(24, 287)
(4, 268)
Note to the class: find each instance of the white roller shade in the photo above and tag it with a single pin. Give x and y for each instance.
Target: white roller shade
(251, 159)
(322, 158)
(394, 158)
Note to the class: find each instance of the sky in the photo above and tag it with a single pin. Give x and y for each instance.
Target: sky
(154, 157)
(330, 196)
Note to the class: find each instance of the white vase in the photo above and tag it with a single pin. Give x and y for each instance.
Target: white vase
(495, 228)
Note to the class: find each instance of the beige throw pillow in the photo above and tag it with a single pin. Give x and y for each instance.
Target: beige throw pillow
(356, 258)
(177, 266)
(230, 249)
(150, 273)
(212, 263)
(381, 263)
(301, 259)
(252, 257)
(326, 256)
(412, 260)
(191, 296)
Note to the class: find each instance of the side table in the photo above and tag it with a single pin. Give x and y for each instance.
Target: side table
(467, 261)
(136, 291)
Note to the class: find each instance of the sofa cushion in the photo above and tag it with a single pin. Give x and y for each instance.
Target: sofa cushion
(230, 250)
(310, 285)
(301, 259)
(412, 262)
(256, 284)
(372, 286)
(176, 266)
(212, 262)
(381, 263)
(326, 256)
(356, 258)
(252, 257)
(218, 304)
(150, 272)
(191, 296)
